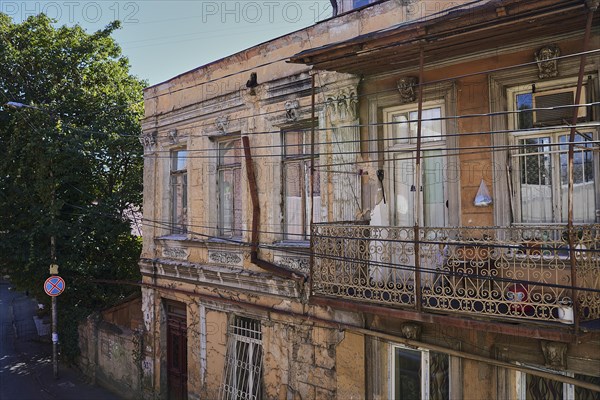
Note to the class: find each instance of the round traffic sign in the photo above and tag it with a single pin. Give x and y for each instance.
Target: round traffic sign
(54, 286)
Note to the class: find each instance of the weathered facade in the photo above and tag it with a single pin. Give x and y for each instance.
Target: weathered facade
(380, 206)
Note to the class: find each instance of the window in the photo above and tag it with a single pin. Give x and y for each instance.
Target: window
(540, 161)
(296, 172)
(230, 188)
(360, 3)
(178, 177)
(401, 128)
(533, 387)
(243, 363)
(419, 374)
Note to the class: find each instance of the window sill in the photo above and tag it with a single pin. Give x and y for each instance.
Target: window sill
(303, 244)
(226, 240)
(174, 237)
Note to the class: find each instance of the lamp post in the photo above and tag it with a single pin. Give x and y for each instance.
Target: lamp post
(53, 270)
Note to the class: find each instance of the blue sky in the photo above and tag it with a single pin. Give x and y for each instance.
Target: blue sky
(165, 38)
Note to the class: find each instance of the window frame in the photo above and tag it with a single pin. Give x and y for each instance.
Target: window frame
(233, 168)
(425, 366)
(175, 174)
(304, 159)
(554, 132)
(405, 150)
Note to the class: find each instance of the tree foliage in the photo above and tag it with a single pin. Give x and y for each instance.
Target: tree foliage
(70, 162)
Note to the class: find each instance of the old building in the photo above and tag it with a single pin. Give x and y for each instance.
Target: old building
(380, 206)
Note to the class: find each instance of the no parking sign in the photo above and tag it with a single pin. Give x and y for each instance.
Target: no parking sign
(54, 286)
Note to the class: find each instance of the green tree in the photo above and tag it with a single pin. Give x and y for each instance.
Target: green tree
(70, 164)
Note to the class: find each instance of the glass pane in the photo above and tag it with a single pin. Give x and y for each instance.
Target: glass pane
(178, 160)
(586, 394)
(293, 143)
(404, 191)
(431, 124)
(434, 204)
(439, 376)
(226, 194)
(407, 374)
(536, 180)
(294, 188)
(237, 202)
(400, 129)
(316, 195)
(583, 178)
(524, 105)
(230, 152)
(543, 389)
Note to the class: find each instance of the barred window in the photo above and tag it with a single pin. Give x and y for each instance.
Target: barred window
(243, 363)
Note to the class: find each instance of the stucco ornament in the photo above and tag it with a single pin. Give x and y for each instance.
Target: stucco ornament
(173, 136)
(411, 330)
(555, 354)
(407, 86)
(148, 139)
(291, 110)
(223, 257)
(547, 62)
(222, 123)
(342, 105)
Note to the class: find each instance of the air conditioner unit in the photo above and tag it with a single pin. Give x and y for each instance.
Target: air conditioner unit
(555, 101)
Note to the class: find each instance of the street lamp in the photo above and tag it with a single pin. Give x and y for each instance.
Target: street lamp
(53, 266)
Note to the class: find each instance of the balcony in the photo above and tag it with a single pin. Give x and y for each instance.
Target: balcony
(515, 273)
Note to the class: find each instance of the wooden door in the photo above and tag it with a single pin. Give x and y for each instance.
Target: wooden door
(176, 353)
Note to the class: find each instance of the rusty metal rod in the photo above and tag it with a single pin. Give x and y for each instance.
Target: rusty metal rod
(571, 232)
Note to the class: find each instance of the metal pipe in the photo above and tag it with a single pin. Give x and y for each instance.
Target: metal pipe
(571, 232)
(417, 192)
(312, 182)
(54, 310)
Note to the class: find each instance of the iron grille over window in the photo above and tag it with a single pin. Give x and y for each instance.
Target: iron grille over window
(243, 364)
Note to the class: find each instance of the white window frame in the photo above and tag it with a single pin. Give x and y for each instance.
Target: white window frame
(519, 134)
(224, 166)
(394, 153)
(178, 176)
(521, 382)
(425, 364)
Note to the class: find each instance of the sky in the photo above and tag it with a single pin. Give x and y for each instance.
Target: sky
(163, 39)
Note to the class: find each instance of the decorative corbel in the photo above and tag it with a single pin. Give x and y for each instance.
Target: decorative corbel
(555, 354)
(547, 62)
(291, 110)
(173, 136)
(407, 86)
(222, 123)
(411, 330)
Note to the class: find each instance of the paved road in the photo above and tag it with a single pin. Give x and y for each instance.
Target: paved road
(26, 362)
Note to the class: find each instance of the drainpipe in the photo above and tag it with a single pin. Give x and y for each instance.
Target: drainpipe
(592, 6)
(254, 259)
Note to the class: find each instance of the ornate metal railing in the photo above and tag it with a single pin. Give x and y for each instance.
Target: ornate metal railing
(515, 272)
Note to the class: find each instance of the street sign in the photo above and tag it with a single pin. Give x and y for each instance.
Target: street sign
(54, 286)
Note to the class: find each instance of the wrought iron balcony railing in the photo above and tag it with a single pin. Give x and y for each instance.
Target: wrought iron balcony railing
(502, 272)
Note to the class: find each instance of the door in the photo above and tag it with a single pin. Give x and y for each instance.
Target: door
(176, 352)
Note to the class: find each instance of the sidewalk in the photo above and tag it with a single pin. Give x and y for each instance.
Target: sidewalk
(36, 353)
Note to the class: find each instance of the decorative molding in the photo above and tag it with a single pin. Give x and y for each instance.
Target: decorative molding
(547, 62)
(291, 110)
(224, 257)
(220, 276)
(555, 354)
(177, 253)
(222, 123)
(411, 330)
(342, 106)
(293, 263)
(407, 86)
